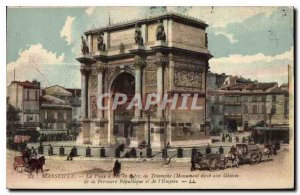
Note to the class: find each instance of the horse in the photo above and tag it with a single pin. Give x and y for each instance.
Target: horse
(37, 164)
(234, 157)
(267, 151)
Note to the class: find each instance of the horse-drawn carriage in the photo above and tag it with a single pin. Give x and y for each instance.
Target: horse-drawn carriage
(27, 163)
(210, 161)
(240, 154)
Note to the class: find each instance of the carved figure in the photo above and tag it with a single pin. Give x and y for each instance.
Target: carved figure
(138, 36)
(84, 47)
(160, 32)
(101, 44)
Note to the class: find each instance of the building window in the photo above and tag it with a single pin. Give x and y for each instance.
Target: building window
(273, 109)
(264, 98)
(181, 124)
(273, 98)
(55, 115)
(220, 123)
(217, 99)
(254, 99)
(263, 109)
(202, 127)
(213, 99)
(286, 108)
(65, 116)
(188, 124)
(46, 115)
(212, 109)
(254, 109)
(116, 130)
(245, 109)
(161, 131)
(36, 95)
(29, 118)
(152, 130)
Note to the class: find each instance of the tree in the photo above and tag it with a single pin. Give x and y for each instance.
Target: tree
(12, 119)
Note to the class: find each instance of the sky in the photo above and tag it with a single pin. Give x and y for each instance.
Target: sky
(253, 42)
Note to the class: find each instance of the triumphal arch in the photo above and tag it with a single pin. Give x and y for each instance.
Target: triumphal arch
(165, 55)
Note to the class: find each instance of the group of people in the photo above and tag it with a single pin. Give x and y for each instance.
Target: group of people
(272, 148)
(28, 154)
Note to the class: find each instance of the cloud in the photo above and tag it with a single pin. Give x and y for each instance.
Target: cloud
(259, 66)
(228, 36)
(66, 31)
(31, 63)
(221, 16)
(247, 59)
(263, 33)
(89, 11)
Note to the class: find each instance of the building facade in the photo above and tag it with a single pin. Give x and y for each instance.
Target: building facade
(166, 54)
(56, 110)
(241, 104)
(25, 96)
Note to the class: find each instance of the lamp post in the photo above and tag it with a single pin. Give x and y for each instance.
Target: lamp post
(149, 112)
(165, 141)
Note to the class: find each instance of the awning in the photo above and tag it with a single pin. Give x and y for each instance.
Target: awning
(21, 138)
(272, 128)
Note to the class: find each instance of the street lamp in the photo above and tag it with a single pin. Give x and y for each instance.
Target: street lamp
(149, 112)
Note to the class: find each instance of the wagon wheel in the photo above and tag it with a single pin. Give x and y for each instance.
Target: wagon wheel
(255, 158)
(221, 164)
(213, 164)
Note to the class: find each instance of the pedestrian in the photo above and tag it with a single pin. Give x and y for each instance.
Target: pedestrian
(133, 153)
(33, 153)
(117, 168)
(72, 154)
(193, 161)
(274, 150)
(194, 151)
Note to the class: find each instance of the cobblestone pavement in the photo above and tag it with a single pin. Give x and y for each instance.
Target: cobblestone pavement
(83, 173)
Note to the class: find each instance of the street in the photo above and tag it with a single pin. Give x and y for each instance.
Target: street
(88, 173)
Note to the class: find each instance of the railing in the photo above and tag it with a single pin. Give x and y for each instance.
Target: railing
(31, 124)
(126, 153)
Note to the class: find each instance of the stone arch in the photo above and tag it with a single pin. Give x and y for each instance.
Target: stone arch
(116, 74)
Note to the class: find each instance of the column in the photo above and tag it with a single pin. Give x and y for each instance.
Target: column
(138, 64)
(84, 91)
(160, 84)
(106, 40)
(100, 88)
(144, 33)
(83, 94)
(160, 63)
(90, 43)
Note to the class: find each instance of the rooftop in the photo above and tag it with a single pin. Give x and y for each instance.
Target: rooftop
(51, 99)
(151, 19)
(252, 86)
(27, 84)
